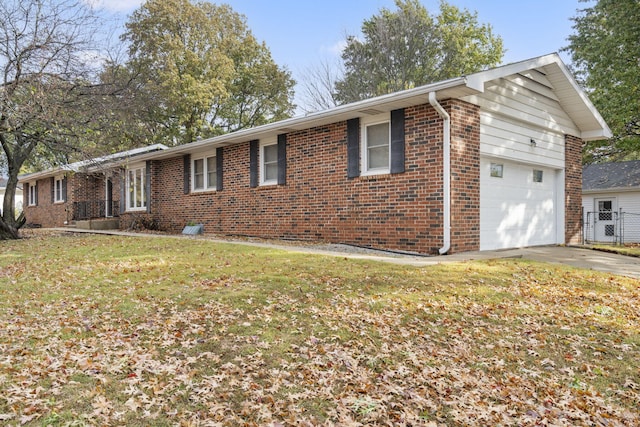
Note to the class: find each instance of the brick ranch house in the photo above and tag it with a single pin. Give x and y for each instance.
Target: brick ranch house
(485, 161)
(82, 191)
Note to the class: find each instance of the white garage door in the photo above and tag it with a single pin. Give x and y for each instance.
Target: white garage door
(517, 205)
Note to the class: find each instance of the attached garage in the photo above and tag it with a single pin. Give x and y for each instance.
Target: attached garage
(519, 204)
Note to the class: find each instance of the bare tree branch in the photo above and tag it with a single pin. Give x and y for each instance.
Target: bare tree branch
(318, 86)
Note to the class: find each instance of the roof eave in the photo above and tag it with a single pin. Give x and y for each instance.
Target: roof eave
(343, 112)
(611, 190)
(597, 135)
(92, 165)
(598, 129)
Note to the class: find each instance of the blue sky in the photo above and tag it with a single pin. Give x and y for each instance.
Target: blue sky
(302, 33)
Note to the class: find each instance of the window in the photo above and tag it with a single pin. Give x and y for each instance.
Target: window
(198, 174)
(376, 148)
(497, 170)
(537, 176)
(269, 164)
(58, 193)
(33, 194)
(205, 173)
(136, 181)
(376, 144)
(605, 210)
(268, 161)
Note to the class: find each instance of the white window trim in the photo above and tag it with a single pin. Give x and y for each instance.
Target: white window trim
(205, 171)
(496, 170)
(541, 176)
(364, 157)
(58, 180)
(31, 197)
(139, 167)
(263, 169)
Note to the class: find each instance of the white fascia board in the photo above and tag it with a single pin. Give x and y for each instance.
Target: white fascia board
(308, 121)
(612, 190)
(596, 135)
(604, 132)
(477, 80)
(47, 173)
(92, 164)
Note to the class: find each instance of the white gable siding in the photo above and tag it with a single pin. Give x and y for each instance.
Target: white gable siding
(627, 201)
(517, 109)
(623, 201)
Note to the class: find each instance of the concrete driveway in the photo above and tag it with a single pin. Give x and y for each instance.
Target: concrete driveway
(573, 256)
(569, 255)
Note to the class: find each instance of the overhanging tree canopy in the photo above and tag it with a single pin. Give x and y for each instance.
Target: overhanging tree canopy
(199, 71)
(47, 100)
(409, 47)
(605, 49)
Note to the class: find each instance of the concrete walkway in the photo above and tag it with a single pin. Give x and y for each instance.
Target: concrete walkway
(568, 255)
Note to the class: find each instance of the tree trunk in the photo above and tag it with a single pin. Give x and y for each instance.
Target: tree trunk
(8, 232)
(9, 224)
(8, 208)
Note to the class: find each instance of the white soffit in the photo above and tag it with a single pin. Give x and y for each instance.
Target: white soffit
(571, 97)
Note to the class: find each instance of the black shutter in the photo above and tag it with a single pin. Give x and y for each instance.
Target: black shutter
(219, 165)
(147, 184)
(253, 163)
(64, 189)
(353, 148)
(53, 190)
(36, 191)
(25, 189)
(186, 160)
(397, 141)
(123, 190)
(282, 159)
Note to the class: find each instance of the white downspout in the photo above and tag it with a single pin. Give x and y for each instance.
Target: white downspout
(446, 171)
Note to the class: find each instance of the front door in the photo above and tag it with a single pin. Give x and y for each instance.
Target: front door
(604, 225)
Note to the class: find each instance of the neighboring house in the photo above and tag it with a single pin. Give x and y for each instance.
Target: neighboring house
(81, 191)
(17, 201)
(485, 161)
(611, 202)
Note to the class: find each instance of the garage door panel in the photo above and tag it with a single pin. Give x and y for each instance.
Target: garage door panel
(514, 210)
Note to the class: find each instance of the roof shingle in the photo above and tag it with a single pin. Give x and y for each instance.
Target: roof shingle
(606, 176)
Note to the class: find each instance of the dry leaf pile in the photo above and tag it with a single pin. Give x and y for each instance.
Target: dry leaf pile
(113, 340)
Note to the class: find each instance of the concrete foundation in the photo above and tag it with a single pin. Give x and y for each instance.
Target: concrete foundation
(99, 224)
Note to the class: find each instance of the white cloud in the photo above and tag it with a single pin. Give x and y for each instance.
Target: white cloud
(336, 48)
(115, 5)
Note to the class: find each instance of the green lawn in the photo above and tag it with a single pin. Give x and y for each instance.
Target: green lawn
(629, 250)
(103, 330)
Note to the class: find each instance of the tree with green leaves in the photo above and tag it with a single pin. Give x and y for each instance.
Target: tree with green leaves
(409, 47)
(198, 71)
(605, 50)
(50, 101)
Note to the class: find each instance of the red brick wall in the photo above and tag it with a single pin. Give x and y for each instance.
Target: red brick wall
(465, 176)
(399, 211)
(80, 187)
(573, 189)
(88, 187)
(47, 213)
